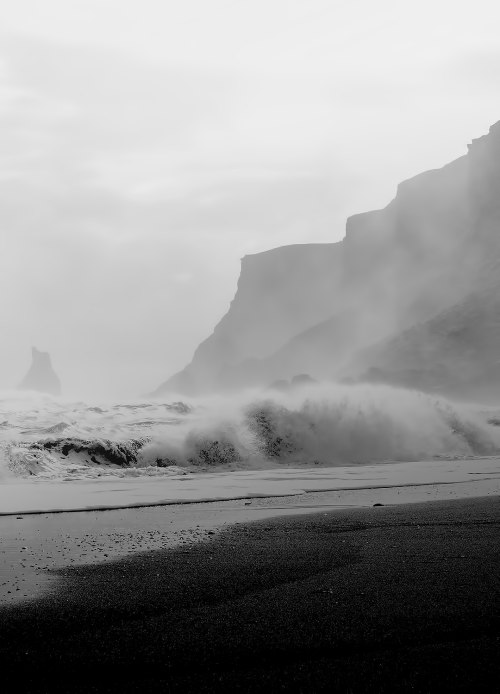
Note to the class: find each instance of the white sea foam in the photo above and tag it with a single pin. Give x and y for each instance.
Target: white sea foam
(325, 425)
(359, 485)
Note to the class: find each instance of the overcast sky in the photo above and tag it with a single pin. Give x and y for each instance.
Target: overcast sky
(147, 145)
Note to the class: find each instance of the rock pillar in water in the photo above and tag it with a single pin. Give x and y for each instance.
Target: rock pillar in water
(41, 376)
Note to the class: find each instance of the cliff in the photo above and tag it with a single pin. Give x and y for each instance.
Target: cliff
(280, 293)
(455, 353)
(398, 267)
(41, 376)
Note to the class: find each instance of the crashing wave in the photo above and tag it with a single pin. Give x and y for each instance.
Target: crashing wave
(331, 425)
(326, 425)
(39, 457)
(75, 458)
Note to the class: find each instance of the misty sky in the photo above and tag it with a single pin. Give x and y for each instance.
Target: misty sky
(146, 146)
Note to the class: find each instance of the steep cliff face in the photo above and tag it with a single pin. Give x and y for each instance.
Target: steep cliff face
(407, 261)
(280, 293)
(41, 376)
(457, 352)
(314, 350)
(395, 268)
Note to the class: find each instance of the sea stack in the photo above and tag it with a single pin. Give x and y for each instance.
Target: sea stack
(41, 376)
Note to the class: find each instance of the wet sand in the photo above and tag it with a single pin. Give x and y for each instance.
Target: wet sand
(375, 599)
(33, 547)
(37, 495)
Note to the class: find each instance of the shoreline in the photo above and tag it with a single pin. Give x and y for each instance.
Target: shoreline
(394, 598)
(35, 546)
(242, 498)
(107, 493)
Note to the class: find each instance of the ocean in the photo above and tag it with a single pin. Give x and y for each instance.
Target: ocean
(66, 454)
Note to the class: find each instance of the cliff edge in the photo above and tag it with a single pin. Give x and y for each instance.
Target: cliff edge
(311, 308)
(279, 293)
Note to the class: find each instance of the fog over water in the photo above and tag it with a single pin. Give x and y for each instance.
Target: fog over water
(146, 147)
(150, 156)
(46, 438)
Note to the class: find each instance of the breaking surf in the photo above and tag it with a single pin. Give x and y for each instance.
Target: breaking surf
(324, 425)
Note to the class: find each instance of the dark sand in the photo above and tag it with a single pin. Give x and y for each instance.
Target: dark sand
(388, 599)
(33, 547)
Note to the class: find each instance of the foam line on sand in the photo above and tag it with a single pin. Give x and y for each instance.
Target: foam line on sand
(34, 547)
(83, 495)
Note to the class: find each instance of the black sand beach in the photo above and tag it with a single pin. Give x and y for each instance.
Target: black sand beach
(401, 598)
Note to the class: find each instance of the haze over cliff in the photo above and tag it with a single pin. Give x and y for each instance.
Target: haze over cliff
(456, 352)
(314, 308)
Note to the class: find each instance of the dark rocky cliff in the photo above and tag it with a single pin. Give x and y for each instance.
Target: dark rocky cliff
(310, 308)
(457, 352)
(280, 293)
